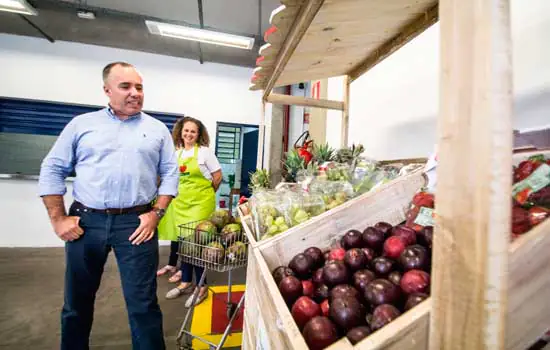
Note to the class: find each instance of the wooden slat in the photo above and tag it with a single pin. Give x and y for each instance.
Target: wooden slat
(529, 287)
(304, 101)
(261, 138)
(470, 257)
(344, 133)
(411, 31)
(299, 26)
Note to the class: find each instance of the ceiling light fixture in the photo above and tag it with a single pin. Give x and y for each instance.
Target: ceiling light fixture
(202, 35)
(17, 6)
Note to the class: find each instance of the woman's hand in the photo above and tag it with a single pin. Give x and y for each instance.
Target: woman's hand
(216, 179)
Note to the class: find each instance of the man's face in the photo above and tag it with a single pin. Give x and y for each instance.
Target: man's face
(124, 87)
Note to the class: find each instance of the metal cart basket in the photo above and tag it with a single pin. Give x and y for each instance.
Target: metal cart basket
(200, 244)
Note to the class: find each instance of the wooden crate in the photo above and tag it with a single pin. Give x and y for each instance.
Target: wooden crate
(388, 203)
(339, 213)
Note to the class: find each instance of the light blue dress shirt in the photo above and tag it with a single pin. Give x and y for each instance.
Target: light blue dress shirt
(116, 161)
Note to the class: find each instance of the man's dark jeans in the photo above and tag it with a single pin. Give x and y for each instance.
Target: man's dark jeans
(85, 259)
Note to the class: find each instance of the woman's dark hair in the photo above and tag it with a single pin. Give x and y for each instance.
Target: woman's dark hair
(203, 140)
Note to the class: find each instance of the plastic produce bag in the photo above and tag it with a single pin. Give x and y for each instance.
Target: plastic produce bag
(302, 206)
(333, 193)
(268, 213)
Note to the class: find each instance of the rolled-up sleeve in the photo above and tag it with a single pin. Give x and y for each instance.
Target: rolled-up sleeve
(58, 163)
(168, 167)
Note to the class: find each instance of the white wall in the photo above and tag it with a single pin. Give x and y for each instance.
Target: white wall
(393, 107)
(68, 72)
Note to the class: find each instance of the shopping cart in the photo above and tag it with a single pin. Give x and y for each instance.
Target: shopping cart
(201, 245)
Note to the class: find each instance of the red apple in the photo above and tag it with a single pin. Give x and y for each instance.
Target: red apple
(308, 288)
(303, 310)
(538, 215)
(406, 233)
(319, 333)
(337, 254)
(415, 281)
(393, 247)
(325, 307)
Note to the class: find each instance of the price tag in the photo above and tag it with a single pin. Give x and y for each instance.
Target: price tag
(425, 217)
(538, 180)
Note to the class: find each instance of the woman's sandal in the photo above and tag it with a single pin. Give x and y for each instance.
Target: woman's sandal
(177, 292)
(199, 300)
(175, 278)
(165, 270)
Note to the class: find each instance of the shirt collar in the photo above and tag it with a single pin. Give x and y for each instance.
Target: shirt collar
(112, 114)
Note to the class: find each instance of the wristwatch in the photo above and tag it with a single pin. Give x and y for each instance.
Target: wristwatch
(160, 212)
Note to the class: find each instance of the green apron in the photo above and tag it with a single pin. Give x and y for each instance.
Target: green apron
(196, 199)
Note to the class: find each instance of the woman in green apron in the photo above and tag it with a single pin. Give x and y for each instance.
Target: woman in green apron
(200, 177)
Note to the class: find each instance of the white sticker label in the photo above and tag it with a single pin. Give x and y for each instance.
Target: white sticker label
(425, 217)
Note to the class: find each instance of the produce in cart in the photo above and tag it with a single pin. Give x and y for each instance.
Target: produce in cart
(364, 281)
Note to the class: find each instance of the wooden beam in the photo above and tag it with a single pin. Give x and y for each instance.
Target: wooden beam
(304, 101)
(261, 138)
(303, 20)
(472, 232)
(344, 133)
(409, 32)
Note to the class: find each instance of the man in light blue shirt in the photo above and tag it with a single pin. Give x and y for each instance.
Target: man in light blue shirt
(118, 154)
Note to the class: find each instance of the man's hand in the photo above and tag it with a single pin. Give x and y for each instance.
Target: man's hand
(67, 228)
(146, 228)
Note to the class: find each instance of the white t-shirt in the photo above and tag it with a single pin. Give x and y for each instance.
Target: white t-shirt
(208, 163)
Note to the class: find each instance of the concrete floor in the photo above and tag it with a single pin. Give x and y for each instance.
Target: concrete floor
(31, 296)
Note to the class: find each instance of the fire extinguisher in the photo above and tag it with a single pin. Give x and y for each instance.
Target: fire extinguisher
(304, 150)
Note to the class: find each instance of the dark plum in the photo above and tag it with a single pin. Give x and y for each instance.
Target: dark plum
(373, 238)
(395, 277)
(355, 335)
(382, 315)
(291, 289)
(320, 293)
(406, 233)
(344, 291)
(316, 255)
(382, 266)
(415, 299)
(352, 239)
(335, 273)
(280, 272)
(302, 265)
(317, 277)
(363, 277)
(356, 259)
(320, 332)
(347, 313)
(381, 291)
(384, 227)
(414, 257)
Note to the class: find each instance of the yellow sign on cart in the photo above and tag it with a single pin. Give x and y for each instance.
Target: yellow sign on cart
(210, 320)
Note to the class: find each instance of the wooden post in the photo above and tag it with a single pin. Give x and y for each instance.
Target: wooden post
(345, 114)
(261, 137)
(473, 199)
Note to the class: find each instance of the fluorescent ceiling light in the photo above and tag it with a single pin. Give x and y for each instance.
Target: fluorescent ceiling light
(17, 6)
(202, 35)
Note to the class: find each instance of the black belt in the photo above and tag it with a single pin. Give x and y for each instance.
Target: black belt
(114, 211)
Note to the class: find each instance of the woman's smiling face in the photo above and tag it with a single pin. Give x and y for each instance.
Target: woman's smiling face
(190, 133)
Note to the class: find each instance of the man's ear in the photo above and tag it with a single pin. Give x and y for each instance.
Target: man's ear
(106, 90)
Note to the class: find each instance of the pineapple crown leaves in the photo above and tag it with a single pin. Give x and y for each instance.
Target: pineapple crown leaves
(323, 153)
(259, 179)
